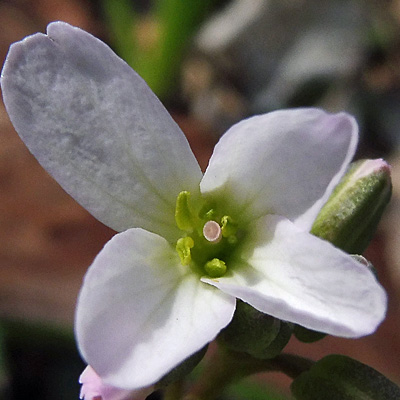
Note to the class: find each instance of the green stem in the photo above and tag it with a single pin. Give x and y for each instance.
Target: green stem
(226, 367)
(291, 365)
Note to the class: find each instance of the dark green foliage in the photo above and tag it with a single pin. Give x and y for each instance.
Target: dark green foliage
(255, 333)
(338, 377)
(307, 335)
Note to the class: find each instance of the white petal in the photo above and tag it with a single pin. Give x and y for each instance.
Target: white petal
(286, 163)
(94, 125)
(300, 278)
(140, 313)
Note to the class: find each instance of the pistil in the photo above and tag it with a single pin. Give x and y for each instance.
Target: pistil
(212, 232)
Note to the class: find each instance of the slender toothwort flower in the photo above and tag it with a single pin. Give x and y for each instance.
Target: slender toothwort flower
(189, 244)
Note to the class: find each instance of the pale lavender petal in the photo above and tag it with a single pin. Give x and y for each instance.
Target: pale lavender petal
(141, 313)
(94, 125)
(93, 388)
(286, 163)
(297, 277)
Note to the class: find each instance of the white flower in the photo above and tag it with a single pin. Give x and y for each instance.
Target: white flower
(163, 288)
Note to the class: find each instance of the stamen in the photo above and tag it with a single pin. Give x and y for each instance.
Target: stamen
(215, 268)
(183, 247)
(229, 227)
(183, 215)
(212, 231)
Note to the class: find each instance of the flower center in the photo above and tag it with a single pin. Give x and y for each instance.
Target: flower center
(207, 243)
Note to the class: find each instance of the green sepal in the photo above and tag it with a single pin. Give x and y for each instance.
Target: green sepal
(183, 369)
(279, 343)
(255, 333)
(339, 377)
(307, 335)
(350, 217)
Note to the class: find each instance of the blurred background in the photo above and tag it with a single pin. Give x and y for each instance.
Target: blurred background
(212, 63)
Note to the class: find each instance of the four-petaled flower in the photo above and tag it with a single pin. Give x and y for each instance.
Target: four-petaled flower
(190, 244)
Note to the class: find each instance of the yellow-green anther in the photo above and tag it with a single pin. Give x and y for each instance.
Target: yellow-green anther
(183, 247)
(183, 216)
(351, 214)
(207, 212)
(215, 268)
(228, 227)
(209, 215)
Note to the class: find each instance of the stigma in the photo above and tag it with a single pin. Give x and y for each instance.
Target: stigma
(212, 232)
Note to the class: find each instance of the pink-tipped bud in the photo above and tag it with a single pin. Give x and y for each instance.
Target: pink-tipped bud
(350, 217)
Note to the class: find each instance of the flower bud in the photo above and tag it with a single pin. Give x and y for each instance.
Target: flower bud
(255, 333)
(350, 216)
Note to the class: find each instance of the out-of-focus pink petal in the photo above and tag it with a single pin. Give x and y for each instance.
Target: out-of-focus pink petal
(93, 388)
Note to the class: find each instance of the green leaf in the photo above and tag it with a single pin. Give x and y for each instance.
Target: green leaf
(120, 18)
(307, 335)
(250, 389)
(339, 377)
(178, 21)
